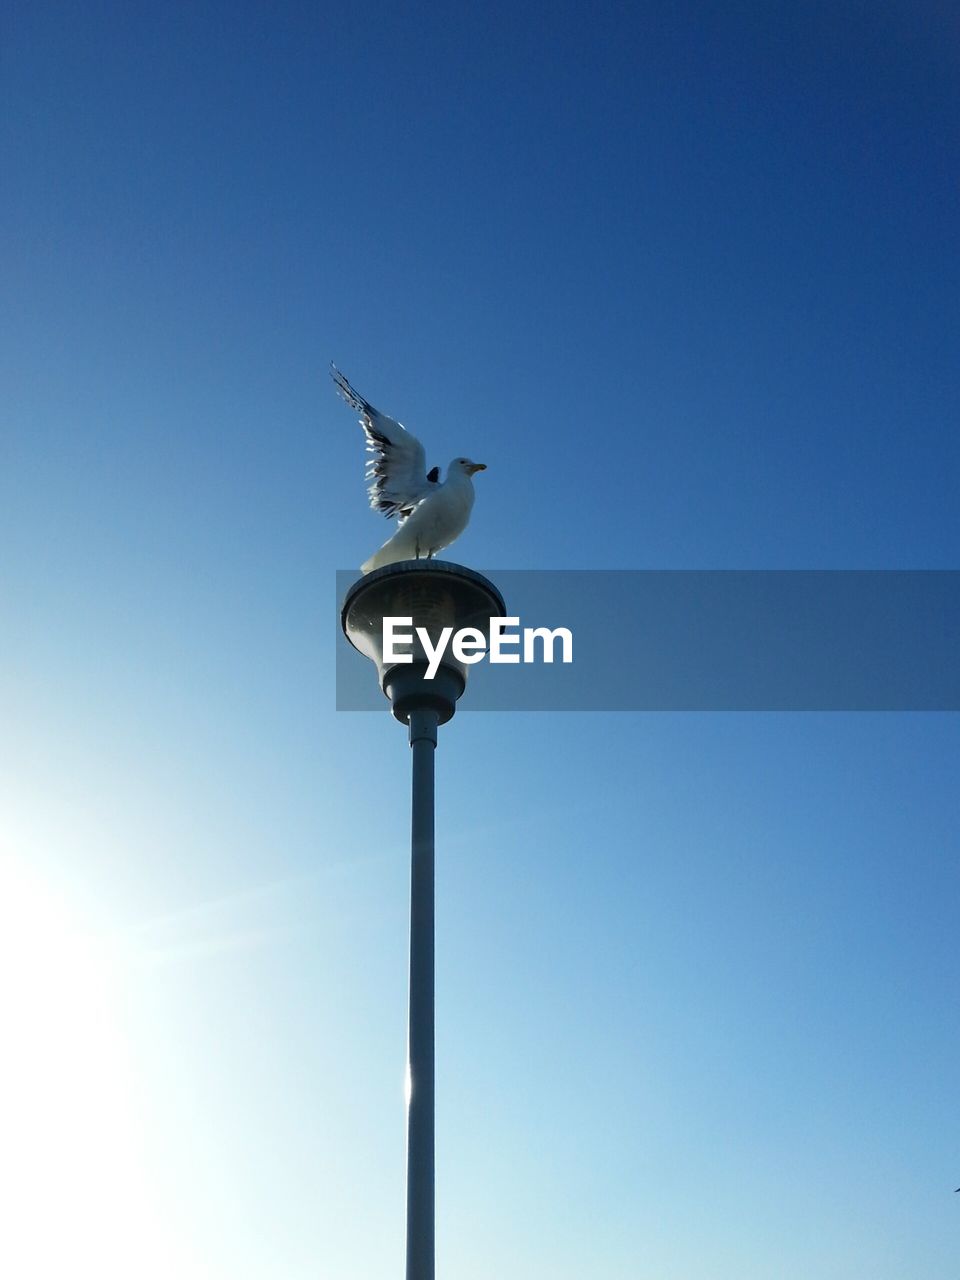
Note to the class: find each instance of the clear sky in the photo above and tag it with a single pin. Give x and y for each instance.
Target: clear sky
(685, 276)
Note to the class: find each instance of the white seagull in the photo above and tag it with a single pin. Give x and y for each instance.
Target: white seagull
(432, 513)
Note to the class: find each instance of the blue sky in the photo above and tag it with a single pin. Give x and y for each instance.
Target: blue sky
(686, 278)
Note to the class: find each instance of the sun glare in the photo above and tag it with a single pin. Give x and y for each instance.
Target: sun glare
(74, 1196)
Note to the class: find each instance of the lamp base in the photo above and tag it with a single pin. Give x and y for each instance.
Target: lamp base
(409, 690)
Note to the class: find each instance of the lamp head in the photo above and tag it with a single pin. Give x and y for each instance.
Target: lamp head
(435, 594)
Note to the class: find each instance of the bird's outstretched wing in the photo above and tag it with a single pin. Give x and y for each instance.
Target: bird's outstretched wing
(397, 468)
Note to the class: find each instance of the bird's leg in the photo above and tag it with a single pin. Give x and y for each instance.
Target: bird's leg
(430, 554)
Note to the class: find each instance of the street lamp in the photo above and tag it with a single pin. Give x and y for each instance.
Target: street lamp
(434, 594)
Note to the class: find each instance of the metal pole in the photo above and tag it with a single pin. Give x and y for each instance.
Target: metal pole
(420, 1104)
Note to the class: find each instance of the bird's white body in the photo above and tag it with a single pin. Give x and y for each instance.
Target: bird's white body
(432, 514)
(439, 519)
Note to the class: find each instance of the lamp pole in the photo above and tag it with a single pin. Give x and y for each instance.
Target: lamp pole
(434, 594)
(420, 1035)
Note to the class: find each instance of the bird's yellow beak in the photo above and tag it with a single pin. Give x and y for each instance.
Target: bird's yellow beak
(476, 466)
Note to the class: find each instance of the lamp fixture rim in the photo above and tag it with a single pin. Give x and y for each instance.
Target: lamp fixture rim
(421, 568)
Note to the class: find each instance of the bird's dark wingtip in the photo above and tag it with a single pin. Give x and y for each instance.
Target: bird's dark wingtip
(353, 399)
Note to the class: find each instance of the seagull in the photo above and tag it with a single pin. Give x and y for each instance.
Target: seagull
(432, 512)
